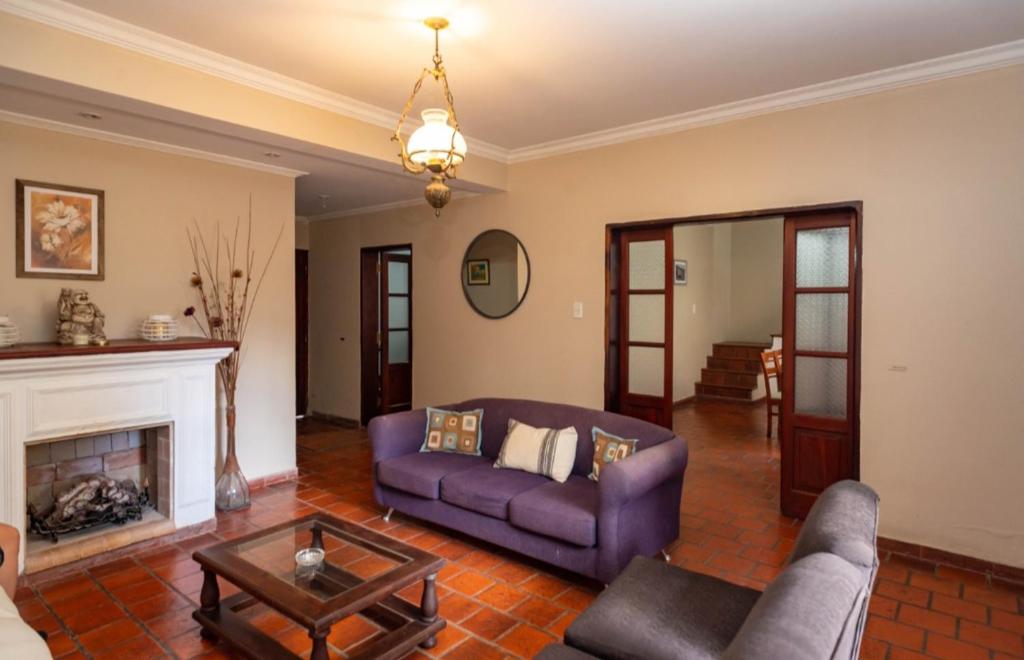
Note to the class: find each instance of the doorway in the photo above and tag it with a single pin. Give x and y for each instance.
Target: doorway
(385, 330)
(820, 308)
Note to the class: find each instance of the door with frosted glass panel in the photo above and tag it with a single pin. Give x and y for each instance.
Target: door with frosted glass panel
(819, 440)
(644, 298)
(396, 333)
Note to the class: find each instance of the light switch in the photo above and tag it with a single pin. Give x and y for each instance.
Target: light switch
(693, 309)
(577, 310)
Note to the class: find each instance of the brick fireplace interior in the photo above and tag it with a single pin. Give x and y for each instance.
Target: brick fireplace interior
(142, 455)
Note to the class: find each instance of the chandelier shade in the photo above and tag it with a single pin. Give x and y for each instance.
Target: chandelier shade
(437, 145)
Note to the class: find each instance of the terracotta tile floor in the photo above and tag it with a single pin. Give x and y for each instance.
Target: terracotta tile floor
(498, 605)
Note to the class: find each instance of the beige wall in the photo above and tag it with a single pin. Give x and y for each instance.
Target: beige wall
(693, 306)
(150, 198)
(938, 167)
(756, 285)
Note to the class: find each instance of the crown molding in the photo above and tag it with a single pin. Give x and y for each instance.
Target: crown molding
(143, 143)
(973, 61)
(66, 16)
(388, 206)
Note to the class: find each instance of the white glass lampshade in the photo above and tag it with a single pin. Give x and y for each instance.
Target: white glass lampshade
(432, 143)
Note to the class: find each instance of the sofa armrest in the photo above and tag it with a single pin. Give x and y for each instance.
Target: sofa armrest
(10, 545)
(627, 480)
(397, 434)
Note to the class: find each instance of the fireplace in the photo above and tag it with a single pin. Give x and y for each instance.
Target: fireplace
(131, 410)
(137, 458)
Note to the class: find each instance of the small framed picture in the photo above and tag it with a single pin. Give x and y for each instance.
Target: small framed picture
(680, 271)
(478, 272)
(58, 231)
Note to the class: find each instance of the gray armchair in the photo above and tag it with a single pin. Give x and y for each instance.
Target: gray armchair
(816, 608)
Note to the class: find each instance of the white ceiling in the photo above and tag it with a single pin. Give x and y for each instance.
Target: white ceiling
(525, 73)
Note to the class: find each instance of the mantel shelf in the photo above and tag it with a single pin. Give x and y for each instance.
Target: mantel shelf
(53, 349)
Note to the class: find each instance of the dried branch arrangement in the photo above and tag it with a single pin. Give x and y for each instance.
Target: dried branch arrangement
(227, 285)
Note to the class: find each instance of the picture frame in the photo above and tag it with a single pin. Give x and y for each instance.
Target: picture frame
(679, 272)
(58, 231)
(478, 272)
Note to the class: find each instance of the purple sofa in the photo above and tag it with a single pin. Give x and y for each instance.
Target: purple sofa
(590, 528)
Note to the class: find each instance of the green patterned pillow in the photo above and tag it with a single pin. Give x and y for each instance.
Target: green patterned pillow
(455, 432)
(609, 448)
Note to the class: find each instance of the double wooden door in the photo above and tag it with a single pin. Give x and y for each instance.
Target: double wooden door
(386, 331)
(819, 437)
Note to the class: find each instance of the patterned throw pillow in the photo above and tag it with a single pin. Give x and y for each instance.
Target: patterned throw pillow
(609, 448)
(549, 452)
(456, 432)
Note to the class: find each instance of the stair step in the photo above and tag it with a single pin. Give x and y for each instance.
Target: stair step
(728, 378)
(735, 364)
(747, 350)
(724, 392)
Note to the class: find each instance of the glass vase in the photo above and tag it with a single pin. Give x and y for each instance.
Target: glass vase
(232, 491)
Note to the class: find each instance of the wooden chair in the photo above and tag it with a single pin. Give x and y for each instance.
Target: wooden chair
(771, 367)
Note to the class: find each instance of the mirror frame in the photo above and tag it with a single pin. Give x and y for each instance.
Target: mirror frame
(462, 271)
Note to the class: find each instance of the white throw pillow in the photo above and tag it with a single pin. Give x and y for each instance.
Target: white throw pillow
(549, 452)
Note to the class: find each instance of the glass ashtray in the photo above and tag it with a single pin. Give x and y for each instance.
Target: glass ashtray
(309, 557)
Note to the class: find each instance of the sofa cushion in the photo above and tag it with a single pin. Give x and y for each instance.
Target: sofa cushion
(458, 432)
(609, 448)
(803, 614)
(486, 490)
(421, 473)
(549, 452)
(844, 522)
(655, 610)
(567, 512)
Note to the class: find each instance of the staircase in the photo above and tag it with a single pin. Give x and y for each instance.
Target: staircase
(732, 371)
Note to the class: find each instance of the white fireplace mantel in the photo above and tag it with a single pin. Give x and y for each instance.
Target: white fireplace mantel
(49, 393)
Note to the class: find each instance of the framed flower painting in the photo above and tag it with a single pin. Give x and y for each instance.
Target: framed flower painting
(58, 231)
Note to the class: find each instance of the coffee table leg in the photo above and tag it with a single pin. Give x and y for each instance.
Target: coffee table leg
(209, 599)
(428, 608)
(319, 646)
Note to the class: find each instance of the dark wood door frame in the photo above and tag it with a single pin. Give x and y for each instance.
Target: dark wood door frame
(856, 207)
(370, 342)
(301, 332)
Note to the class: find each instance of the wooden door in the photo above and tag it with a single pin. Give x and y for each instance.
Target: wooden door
(396, 332)
(821, 361)
(643, 296)
(301, 331)
(370, 340)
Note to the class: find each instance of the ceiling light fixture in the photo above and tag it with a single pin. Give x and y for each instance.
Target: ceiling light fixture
(437, 146)
(90, 115)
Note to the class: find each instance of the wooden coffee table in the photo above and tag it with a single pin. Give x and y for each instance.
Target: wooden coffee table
(359, 576)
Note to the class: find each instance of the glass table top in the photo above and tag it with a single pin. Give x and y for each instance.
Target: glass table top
(349, 559)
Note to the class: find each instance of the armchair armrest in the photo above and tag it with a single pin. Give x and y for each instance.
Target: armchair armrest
(10, 545)
(397, 434)
(627, 480)
(638, 505)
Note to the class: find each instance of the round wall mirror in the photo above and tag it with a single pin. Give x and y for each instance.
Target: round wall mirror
(495, 273)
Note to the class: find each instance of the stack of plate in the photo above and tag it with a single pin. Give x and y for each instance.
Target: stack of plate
(159, 327)
(9, 333)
